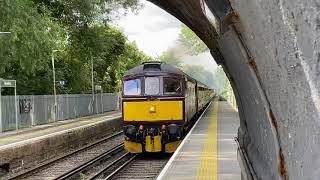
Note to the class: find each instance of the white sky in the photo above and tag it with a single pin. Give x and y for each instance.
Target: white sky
(205, 60)
(154, 31)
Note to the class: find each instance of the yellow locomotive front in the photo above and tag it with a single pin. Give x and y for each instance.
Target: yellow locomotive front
(153, 108)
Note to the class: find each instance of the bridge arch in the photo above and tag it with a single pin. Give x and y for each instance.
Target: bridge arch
(270, 53)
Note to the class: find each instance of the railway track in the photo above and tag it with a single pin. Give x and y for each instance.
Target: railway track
(119, 164)
(114, 167)
(85, 170)
(130, 166)
(71, 162)
(95, 162)
(142, 167)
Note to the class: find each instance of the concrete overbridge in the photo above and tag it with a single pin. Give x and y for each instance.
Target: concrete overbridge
(270, 53)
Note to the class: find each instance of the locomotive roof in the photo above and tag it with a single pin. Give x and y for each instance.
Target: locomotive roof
(155, 66)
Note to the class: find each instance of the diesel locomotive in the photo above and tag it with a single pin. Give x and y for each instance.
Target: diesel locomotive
(159, 104)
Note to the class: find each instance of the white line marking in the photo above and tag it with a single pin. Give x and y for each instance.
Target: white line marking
(53, 134)
(166, 167)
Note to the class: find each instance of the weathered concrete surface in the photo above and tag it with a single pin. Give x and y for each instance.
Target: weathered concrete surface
(198, 158)
(270, 51)
(228, 123)
(30, 153)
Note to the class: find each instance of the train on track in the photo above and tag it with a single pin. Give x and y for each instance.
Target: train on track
(159, 105)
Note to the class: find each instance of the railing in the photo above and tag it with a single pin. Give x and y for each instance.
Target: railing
(39, 109)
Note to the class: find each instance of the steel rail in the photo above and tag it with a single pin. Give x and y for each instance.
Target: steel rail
(95, 176)
(82, 167)
(33, 170)
(121, 167)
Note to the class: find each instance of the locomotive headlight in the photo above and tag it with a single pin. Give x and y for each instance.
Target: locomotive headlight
(173, 130)
(141, 127)
(130, 131)
(152, 109)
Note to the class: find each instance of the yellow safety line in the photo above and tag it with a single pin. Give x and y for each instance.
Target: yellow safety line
(208, 162)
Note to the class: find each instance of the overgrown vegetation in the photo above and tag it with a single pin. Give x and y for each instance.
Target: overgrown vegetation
(76, 33)
(189, 43)
(190, 40)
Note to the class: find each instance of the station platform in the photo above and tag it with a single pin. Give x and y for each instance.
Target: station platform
(31, 147)
(209, 150)
(42, 131)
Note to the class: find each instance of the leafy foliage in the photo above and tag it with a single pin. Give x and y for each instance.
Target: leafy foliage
(195, 71)
(190, 40)
(199, 73)
(79, 30)
(220, 80)
(74, 13)
(25, 52)
(191, 44)
(170, 57)
(32, 38)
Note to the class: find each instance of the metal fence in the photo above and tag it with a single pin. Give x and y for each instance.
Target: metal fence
(36, 110)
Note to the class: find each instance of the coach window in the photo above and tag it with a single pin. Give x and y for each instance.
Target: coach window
(152, 85)
(132, 87)
(171, 86)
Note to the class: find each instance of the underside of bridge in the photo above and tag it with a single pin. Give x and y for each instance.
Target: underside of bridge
(270, 50)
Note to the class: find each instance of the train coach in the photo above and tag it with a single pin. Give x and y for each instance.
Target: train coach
(159, 104)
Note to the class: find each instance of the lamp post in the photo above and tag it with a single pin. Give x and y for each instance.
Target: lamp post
(92, 87)
(54, 85)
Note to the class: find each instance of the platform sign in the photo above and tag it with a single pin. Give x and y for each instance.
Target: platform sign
(98, 88)
(11, 84)
(7, 83)
(62, 83)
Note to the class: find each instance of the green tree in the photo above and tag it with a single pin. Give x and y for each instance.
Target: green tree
(75, 13)
(80, 30)
(25, 53)
(130, 58)
(110, 52)
(221, 80)
(99, 43)
(200, 74)
(193, 45)
(190, 40)
(217, 79)
(170, 57)
(90, 38)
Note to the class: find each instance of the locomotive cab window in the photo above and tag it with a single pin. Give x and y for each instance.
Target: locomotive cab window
(171, 86)
(132, 87)
(152, 85)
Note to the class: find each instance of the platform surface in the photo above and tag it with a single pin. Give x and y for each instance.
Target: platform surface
(42, 131)
(209, 150)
